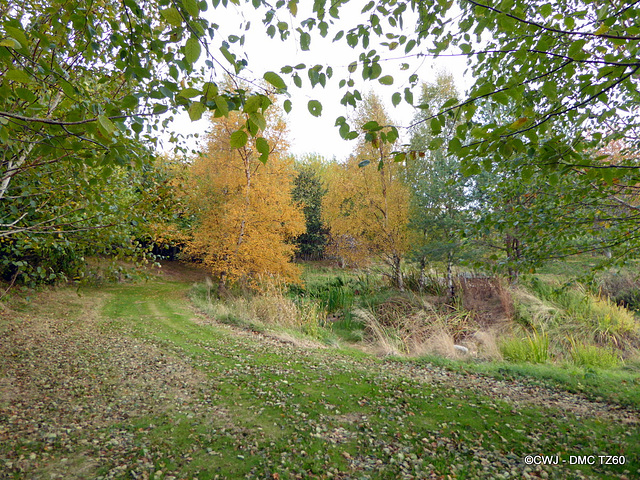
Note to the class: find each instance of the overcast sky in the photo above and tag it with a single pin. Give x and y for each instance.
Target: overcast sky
(319, 135)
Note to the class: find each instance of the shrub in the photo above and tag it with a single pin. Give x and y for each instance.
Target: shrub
(623, 289)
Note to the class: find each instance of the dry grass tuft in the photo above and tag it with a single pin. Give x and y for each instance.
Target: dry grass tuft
(486, 344)
(439, 342)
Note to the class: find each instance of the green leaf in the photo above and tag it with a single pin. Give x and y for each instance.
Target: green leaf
(386, 80)
(351, 135)
(25, 94)
(222, 109)
(372, 125)
(408, 96)
(172, 16)
(252, 104)
(436, 143)
(106, 126)
(228, 55)
(17, 76)
(11, 43)
(196, 110)
(287, 106)
(305, 41)
(364, 163)
(67, 88)
(315, 108)
(157, 109)
(238, 139)
(471, 169)
(576, 47)
(192, 50)
(436, 128)
(210, 90)
(608, 174)
(293, 7)
(450, 103)
(368, 7)
(392, 135)
(191, 6)
(258, 120)
(400, 157)
(18, 35)
(276, 80)
(569, 22)
(410, 45)
(550, 89)
(189, 92)
(376, 70)
(454, 145)
(262, 145)
(130, 101)
(396, 98)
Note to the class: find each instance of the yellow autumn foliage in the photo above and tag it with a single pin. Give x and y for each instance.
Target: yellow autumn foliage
(367, 208)
(246, 216)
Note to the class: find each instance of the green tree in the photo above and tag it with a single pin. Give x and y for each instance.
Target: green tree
(309, 191)
(535, 217)
(568, 71)
(83, 86)
(441, 196)
(86, 83)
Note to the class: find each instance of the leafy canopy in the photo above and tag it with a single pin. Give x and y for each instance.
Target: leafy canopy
(86, 83)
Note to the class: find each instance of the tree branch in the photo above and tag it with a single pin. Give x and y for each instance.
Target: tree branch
(551, 29)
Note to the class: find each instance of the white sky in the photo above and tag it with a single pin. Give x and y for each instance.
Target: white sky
(309, 134)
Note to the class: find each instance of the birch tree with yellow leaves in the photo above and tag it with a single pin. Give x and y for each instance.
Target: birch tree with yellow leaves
(246, 216)
(367, 204)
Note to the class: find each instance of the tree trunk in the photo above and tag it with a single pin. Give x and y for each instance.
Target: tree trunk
(397, 273)
(513, 255)
(421, 279)
(452, 287)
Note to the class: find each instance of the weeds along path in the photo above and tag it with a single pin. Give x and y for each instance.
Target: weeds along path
(128, 382)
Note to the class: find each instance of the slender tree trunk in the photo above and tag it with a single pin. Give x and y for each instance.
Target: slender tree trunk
(421, 277)
(513, 255)
(14, 165)
(397, 272)
(452, 287)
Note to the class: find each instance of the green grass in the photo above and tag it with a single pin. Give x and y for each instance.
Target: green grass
(614, 385)
(592, 356)
(579, 323)
(271, 410)
(534, 348)
(280, 405)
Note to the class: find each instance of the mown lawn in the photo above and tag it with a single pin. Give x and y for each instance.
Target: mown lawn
(130, 382)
